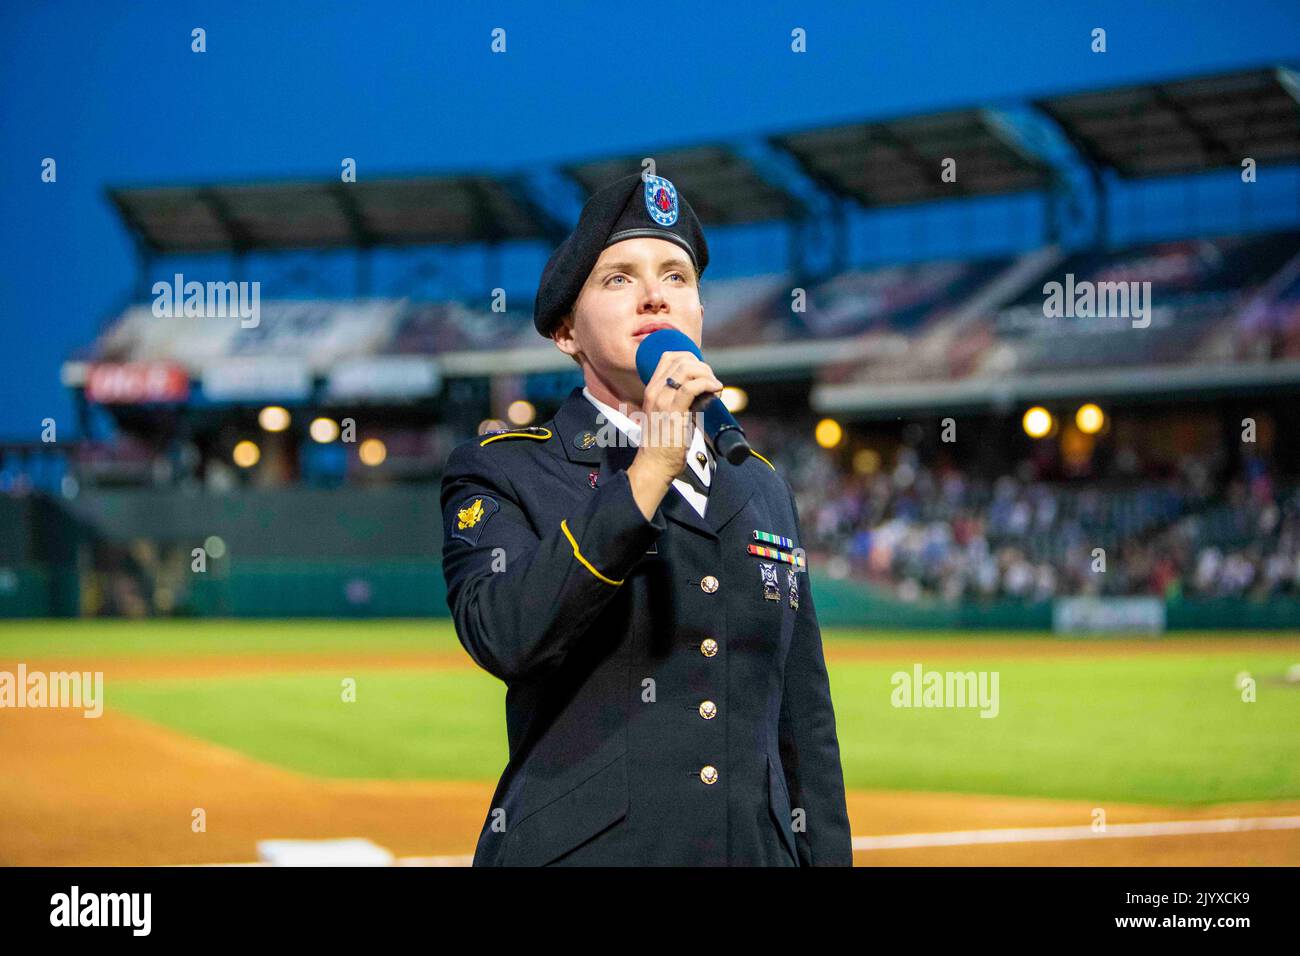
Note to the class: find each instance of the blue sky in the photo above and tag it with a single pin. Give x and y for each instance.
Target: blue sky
(112, 91)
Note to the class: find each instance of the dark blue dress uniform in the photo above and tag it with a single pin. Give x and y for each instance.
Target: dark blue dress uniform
(667, 700)
(661, 708)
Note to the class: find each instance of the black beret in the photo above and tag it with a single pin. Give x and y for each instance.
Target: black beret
(628, 208)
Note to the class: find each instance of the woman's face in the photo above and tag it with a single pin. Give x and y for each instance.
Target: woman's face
(636, 287)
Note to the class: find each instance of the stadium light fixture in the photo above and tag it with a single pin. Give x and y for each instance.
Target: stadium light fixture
(866, 461)
(1090, 419)
(521, 412)
(736, 399)
(273, 418)
(324, 430)
(829, 433)
(246, 454)
(372, 452)
(1037, 422)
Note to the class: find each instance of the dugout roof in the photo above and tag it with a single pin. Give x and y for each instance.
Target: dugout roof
(898, 162)
(314, 215)
(723, 187)
(1155, 129)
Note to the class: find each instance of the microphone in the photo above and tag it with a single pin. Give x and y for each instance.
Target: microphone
(722, 431)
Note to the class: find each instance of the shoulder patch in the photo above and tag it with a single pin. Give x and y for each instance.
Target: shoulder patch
(531, 431)
(471, 515)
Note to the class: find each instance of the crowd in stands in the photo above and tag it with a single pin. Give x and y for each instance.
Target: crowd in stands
(921, 527)
(931, 530)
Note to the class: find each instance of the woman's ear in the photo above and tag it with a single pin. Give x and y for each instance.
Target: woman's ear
(563, 336)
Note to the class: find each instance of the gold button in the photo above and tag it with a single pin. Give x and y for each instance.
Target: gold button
(699, 456)
(709, 584)
(708, 709)
(709, 647)
(709, 774)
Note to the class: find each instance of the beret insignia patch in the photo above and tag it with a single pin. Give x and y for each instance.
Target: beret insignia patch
(471, 516)
(661, 200)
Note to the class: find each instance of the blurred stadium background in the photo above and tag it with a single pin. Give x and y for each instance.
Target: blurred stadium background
(958, 457)
(888, 369)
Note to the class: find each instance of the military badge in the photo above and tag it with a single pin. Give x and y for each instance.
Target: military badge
(591, 478)
(792, 586)
(791, 557)
(767, 537)
(661, 200)
(770, 589)
(471, 516)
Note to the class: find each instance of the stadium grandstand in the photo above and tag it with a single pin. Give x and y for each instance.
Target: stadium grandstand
(962, 440)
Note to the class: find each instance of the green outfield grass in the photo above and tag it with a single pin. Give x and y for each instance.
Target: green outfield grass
(202, 637)
(1169, 728)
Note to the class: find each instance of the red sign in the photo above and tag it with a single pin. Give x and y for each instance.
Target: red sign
(134, 383)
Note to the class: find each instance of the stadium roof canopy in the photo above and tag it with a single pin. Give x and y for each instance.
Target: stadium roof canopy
(898, 162)
(723, 187)
(1155, 129)
(314, 215)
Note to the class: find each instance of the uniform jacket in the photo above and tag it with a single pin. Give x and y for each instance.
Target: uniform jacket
(661, 708)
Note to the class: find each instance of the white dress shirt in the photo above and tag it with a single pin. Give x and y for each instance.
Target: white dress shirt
(698, 457)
